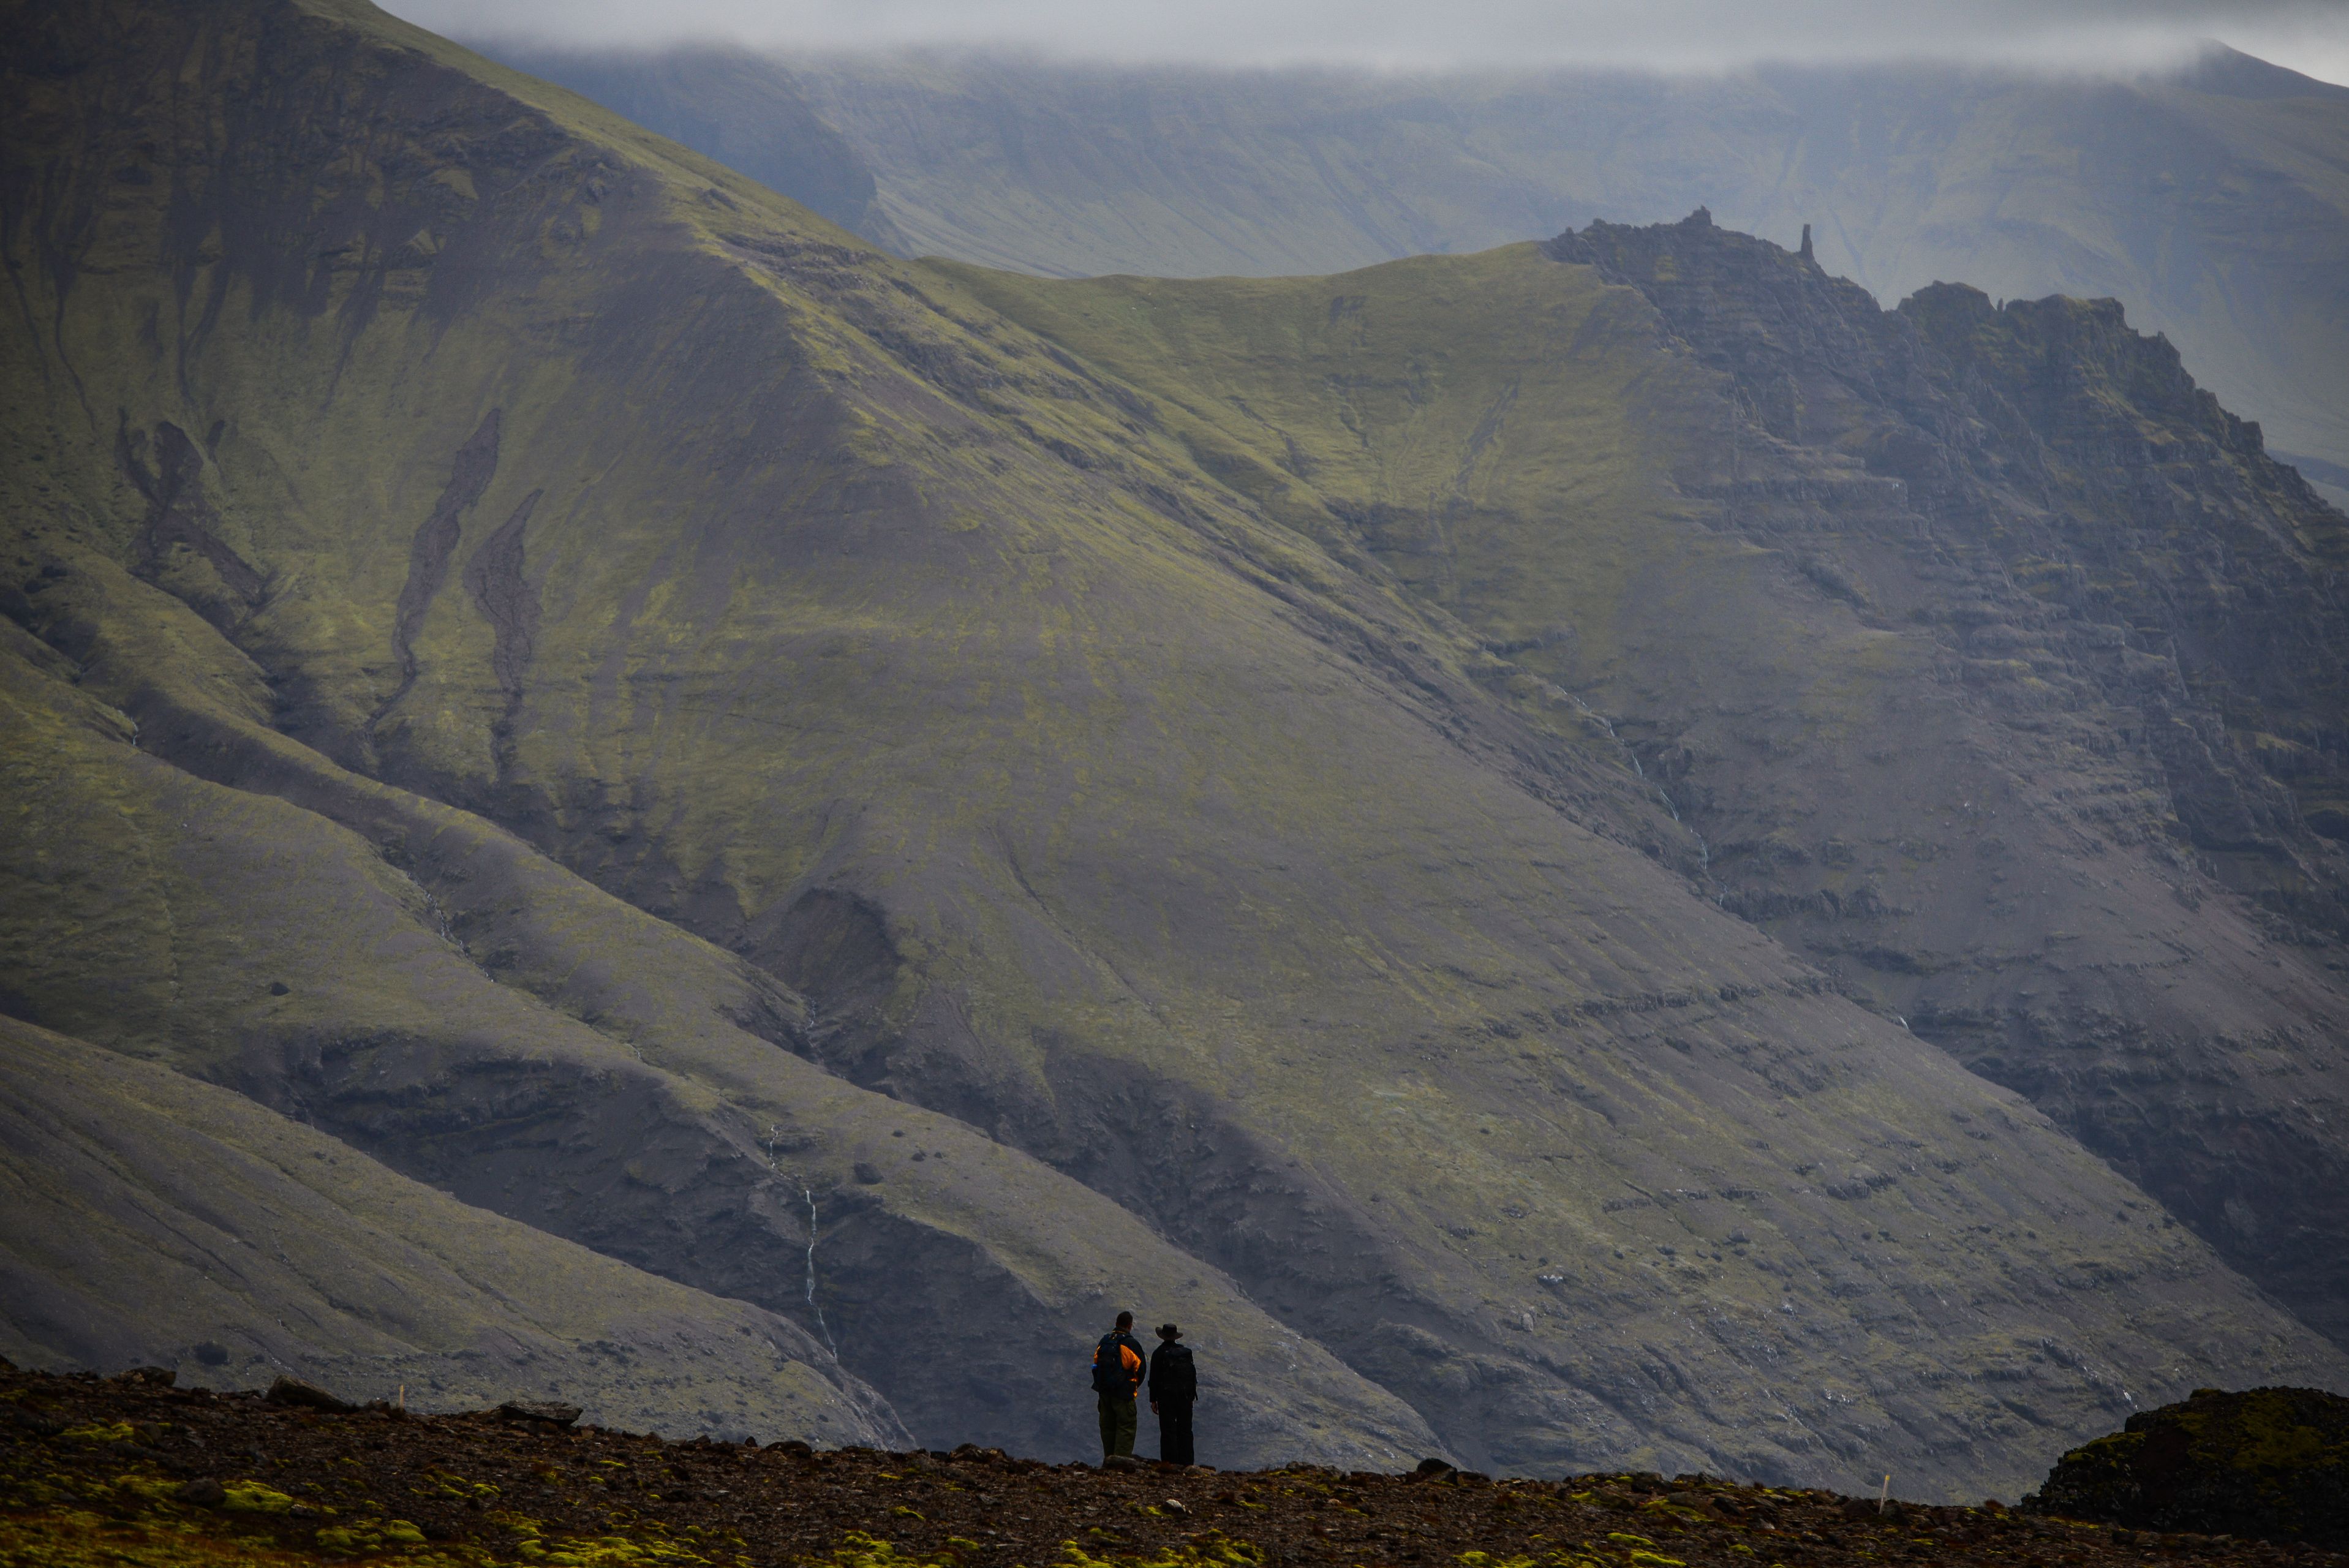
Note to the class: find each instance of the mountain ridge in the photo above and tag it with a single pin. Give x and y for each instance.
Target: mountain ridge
(2210, 197)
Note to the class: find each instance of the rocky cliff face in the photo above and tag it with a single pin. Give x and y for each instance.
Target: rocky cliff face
(1937, 626)
(813, 777)
(2133, 614)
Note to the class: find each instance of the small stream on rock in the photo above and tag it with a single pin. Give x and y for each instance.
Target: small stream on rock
(809, 1193)
(1703, 850)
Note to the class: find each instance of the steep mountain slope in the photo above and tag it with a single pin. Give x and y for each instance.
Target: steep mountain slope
(2215, 202)
(409, 978)
(1986, 652)
(455, 1004)
(734, 747)
(154, 1219)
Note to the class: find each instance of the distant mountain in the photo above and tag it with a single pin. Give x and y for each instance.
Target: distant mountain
(2214, 203)
(1460, 828)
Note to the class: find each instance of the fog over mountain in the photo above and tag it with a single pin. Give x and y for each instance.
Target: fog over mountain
(2088, 36)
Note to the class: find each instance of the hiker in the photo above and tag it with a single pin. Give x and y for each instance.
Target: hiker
(1118, 1367)
(1173, 1390)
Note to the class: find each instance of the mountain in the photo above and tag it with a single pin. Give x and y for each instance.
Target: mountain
(2215, 201)
(742, 110)
(247, 547)
(937, 803)
(1931, 623)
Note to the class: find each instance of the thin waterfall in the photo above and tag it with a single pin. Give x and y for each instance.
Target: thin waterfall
(1703, 850)
(809, 1194)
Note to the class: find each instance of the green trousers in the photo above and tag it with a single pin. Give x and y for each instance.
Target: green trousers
(1118, 1422)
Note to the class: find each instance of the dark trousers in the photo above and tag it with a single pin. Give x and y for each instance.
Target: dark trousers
(1175, 1432)
(1118, 1422)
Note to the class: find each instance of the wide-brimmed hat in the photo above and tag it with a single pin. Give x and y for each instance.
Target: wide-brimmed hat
(1168, 1331)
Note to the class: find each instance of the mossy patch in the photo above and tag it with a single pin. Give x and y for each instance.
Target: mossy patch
(2271, 1463)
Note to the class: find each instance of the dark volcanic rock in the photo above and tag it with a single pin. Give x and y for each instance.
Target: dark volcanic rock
(2269, 1463)
(594, 1493)
(294, 1391)
(539, 1410)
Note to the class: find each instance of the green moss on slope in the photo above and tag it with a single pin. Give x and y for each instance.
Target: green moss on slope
(479, 1018)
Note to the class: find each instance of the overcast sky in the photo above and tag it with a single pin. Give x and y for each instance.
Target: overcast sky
(2308, 36)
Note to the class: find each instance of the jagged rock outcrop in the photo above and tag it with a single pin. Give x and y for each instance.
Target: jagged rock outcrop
(2135, 615)
(2084, 499)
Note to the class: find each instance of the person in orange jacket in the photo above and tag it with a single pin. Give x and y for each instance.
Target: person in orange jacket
(1118, 1366)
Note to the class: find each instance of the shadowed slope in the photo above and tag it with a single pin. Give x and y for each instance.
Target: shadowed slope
(1220, 926)
(154, 1219)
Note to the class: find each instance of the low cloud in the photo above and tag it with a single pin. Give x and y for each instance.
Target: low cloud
(1672, 35)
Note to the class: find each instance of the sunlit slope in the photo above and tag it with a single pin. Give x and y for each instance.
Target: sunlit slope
(1510, 441)
(151, 1218)
(412, 979)
(458, 1007)
(1503, 433)
(1929, 622)
(496, 503)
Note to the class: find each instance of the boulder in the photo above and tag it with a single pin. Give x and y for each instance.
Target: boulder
(294, 1391)
(2269, 1463)
(537, 1411)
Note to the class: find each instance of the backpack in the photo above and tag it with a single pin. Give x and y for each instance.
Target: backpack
(1173, 1375)
(1111, 1373)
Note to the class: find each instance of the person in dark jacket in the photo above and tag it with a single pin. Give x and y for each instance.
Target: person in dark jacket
(1118, 1366)
(1173, 1390)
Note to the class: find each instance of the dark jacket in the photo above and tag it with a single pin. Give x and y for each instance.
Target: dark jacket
(1118, 1362)
(1171, 1376)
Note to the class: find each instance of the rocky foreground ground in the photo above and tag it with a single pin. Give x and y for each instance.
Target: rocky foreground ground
(128, 1471)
